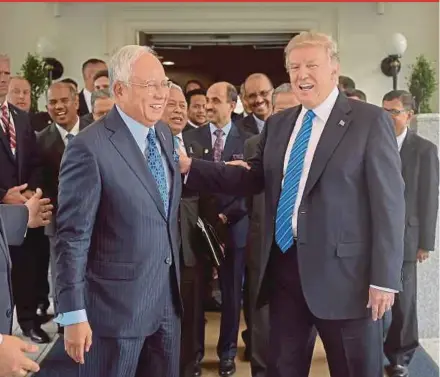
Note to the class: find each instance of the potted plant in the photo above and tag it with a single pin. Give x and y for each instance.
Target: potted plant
(422, 84)
(35, 71)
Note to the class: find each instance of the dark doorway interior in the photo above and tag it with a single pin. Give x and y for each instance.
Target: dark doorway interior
(210, 64)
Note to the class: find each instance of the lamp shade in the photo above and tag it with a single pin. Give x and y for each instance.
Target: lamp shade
(397, 44)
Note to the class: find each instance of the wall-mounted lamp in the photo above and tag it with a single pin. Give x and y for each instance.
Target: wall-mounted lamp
(390, 66)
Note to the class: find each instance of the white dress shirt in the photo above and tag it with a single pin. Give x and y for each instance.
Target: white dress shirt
(192, 124)
(88, 99)
(322, 113)
(74, 131)
(401, 138)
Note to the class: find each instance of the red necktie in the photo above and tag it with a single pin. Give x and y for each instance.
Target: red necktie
(8, 127)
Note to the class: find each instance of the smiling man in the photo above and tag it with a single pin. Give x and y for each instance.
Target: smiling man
(258, 91)
(334, 218)
(117, 247)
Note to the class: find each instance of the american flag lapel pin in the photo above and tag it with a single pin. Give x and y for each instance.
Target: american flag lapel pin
(163, 136)
(341, 123)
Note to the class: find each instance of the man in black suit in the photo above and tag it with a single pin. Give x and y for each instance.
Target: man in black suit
(196, 100)
(334, 221)
(420, 170)
(62, 106)
(19, 177)
(89, 69)
(258, 91)
(220, 141)
(102, 103)
(14, 223)
(191, 266)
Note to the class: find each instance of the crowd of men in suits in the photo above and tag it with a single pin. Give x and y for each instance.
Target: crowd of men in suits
(97, 200)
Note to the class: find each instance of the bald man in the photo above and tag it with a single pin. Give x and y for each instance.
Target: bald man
(221, 140)
(258, 91)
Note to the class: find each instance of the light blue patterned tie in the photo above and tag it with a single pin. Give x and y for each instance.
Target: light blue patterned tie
(155, 164)
(289, 192)
(69, 138)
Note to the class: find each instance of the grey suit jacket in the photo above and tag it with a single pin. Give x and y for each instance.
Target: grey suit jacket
(351, 217)
(13, 225)
(117, 252)
(420, 170)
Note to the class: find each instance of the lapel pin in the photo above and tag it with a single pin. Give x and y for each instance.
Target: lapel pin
(163, 136)
(341, 123)
(205, 151)
(191, 149)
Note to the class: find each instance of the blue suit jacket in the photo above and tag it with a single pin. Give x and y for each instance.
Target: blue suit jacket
(117, 252)
(13, 225)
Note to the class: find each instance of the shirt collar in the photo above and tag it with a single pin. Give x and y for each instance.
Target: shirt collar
(260, 123)
(323, 110)
(74, 131)
(225, 129)
(401, 138)
(193, 124)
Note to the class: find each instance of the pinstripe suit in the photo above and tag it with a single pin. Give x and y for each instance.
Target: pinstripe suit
(117, 252)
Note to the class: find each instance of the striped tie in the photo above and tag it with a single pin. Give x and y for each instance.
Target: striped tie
(8, 128)
(289, 192)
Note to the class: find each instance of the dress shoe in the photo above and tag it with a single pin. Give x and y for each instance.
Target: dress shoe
(397, 371)
(226, 368)
(197, 370)
(42, 316)
(37, 335)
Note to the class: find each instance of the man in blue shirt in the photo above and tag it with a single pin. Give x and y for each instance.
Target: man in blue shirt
(117, 247)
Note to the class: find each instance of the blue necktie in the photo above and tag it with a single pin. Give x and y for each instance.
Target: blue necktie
(69, 138)
(155, 164)
(289, 192)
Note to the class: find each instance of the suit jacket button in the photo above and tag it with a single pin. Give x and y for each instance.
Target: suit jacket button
(168, 260)
(9, 313)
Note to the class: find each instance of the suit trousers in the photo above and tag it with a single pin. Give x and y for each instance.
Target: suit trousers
(25, 285)
(402, 338)
(42, 255)
(193, 324)
(353, 347)
(150, 356)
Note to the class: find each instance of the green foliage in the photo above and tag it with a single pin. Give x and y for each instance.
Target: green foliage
(422, 84)
(36, 72)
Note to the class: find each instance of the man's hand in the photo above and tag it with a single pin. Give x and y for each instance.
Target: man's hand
(13, 361)
(28, 194)
(380, 302)
(40, 211)
(77, 339)
(223, 218)
(422, 255)
(14, 195)
(239, 163)
(184, 162)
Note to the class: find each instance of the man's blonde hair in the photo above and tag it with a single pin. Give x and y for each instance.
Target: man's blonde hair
(312, 38)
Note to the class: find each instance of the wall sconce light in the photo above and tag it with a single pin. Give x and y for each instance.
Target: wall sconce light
(391, 66)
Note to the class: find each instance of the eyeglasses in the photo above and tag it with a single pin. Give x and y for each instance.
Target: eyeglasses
(396, 112)
(263, 93)
(153, 86)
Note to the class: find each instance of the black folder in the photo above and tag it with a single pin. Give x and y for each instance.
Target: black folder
(215, 248)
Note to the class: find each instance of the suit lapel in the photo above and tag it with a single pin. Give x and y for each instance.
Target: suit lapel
(406, 156)
(334, 130)
(206, 143)
(251, 125)
(167, 146)
(5, 142)
(20, 139)
(230, 143)
(123, 141)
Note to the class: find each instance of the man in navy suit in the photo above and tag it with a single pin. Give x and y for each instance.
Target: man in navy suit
(334, 218)
(221, 141)
(117, 240)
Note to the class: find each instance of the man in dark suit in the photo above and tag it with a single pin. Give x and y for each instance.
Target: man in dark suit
(14, 223)
(89, 69)
(196, 100)
(191, 266)
(62, 106)
(102, 103)
(334, 218)
(117, 240)
(19, 177)
(220, 141)
(258, 91)
(420, 170)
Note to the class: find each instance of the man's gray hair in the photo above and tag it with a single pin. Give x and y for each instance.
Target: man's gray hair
(175, 86)
(97, 94)
(283, 88)
(120, 67)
